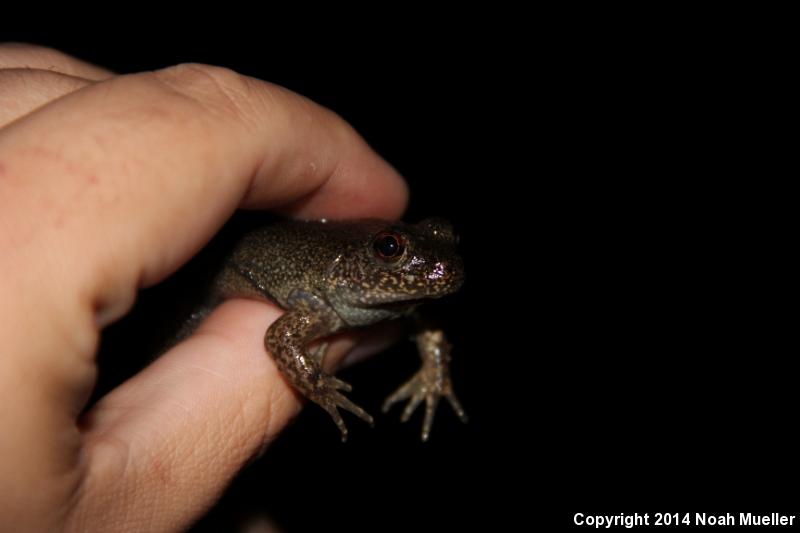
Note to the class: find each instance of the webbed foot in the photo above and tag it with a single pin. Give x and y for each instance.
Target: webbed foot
(326, 394)
(430, 383)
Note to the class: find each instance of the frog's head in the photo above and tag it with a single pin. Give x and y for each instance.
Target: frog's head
(394, 266)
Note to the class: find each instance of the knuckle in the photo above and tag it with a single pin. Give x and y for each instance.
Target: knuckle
(215, 88)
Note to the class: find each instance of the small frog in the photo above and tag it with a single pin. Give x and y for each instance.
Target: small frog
(335, 275)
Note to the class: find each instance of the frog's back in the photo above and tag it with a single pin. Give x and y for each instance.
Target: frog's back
(275, 259)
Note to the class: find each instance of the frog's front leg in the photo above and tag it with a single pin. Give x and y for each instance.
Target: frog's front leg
(430, 383)
(287, 340)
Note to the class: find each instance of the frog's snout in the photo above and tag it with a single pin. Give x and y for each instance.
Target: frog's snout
(446, 276)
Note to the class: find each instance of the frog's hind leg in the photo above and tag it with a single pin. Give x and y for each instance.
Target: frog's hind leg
(287, 340)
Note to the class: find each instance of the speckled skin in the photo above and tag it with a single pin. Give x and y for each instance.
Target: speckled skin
(332, 276)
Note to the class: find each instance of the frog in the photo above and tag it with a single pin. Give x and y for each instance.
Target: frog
(335, 275)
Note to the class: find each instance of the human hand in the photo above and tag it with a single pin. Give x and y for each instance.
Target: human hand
(109, 184)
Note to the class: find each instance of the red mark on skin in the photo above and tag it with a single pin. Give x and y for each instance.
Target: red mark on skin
(2, 168)
(92, 179)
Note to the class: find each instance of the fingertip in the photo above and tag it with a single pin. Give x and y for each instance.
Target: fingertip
(351, 179)
(361, 186)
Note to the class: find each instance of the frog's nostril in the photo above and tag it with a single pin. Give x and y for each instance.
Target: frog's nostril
(446, 275)
(438, 271)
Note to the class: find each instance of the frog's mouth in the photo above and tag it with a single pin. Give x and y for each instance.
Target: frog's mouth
(400, 305)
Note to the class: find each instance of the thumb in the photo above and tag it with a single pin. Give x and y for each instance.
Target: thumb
(163, 446)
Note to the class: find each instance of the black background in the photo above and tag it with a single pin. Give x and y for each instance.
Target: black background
(617, 345)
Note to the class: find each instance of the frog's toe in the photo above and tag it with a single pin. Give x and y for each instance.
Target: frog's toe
(345, 403)
(412, 404)
(338, 384)
(329, 397)
(456, 405)
(337, 419)
(431, 401)
(429, 386)
(401, 393)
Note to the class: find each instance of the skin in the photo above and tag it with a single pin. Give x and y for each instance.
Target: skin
(336, 275)
(109, 184)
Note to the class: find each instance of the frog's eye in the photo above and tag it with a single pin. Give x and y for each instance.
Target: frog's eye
(389, 246)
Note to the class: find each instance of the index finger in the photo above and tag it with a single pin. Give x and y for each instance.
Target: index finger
(120, 182)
